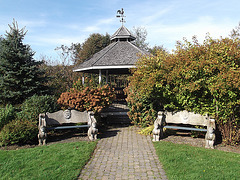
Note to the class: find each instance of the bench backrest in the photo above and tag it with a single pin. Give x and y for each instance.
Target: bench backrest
(184, 117)
(67, 116)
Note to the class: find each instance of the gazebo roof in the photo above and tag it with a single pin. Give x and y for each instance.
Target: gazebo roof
(118, 57)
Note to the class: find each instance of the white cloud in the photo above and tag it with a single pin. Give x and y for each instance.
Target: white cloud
(46, 40)
(98, 25)
(32, 23)
(168, 34)
(155, 16)
(91, 29)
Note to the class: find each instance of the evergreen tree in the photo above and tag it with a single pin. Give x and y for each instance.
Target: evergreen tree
(20, 75)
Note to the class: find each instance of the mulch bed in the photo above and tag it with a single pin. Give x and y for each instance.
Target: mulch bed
(185, 138)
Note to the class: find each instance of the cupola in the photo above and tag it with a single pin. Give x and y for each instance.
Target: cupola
(122, 34)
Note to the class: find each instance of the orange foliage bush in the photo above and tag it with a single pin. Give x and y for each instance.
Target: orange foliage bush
(90, 99)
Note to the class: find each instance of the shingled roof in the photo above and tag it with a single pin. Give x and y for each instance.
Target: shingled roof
(117, 58)
(122, 33)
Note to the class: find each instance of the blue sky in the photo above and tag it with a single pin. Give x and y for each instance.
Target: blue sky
(51, 23)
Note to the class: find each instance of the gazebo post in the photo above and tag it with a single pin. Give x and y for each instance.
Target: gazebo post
(83, 79)
(100, 76)
(107, 76)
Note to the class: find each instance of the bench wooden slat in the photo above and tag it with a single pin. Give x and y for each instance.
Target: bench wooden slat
(185, 128)
(68, 127)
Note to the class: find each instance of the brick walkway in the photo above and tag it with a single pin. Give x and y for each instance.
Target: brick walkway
(123, 154)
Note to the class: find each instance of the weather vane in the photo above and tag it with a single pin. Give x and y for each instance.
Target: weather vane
(120, 15)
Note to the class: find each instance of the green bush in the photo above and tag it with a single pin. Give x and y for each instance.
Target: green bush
(7, 114)
(18, 132)
(144, 98)
(35, 105)
(24, 128)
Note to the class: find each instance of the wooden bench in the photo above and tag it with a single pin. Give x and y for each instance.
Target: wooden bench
(183, 118)
(50, 121)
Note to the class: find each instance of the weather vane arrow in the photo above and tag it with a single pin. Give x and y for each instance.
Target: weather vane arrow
(120, 14)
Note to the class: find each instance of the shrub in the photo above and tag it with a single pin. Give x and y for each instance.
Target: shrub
(35, 105)
(144, 98)
(24, 128)
(18, 132)
(87, 98)
(7, 114)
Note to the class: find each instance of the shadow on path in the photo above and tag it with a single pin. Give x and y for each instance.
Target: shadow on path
(110, 130)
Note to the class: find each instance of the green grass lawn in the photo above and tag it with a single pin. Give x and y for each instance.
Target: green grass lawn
(186, 162)
(58, 161)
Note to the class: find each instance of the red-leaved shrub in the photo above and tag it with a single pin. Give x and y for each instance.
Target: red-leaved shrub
(90, 99)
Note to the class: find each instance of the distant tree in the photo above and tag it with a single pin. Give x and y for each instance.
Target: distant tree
(92, 45)
(140, 34)
(235, 33)
(61, 74)
(0, 41)
(75, 49)
(1, 49)
(69, 55)
(155, 49)
(20, 75)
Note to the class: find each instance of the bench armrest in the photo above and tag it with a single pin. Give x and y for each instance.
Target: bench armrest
(92, 122)
(42, 134)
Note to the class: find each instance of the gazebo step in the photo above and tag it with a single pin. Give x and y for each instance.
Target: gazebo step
(118, 119)
(114, 113)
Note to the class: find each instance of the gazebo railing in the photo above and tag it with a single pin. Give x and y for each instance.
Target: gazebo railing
(120, 95)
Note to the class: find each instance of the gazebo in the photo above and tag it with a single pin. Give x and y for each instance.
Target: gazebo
(116, 59)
